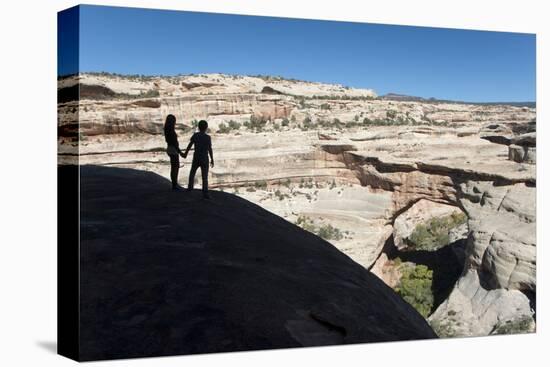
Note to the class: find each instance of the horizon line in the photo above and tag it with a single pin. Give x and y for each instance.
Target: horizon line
(427, 99)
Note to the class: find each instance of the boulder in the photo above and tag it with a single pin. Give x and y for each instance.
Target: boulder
(472, 310)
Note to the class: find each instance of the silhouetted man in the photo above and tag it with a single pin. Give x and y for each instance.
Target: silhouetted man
(203, 147)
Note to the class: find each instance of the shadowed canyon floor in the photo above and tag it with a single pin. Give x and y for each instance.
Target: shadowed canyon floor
(167, 272)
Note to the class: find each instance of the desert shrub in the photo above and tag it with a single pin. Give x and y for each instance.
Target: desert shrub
(285, 122)
(325, 106)
(223, 128)
(233, 125)
(415, 286)
(435, 233)
(256, 123)
(308, 184)
(262, 185)
(391, 114)
(307, 124)
(306, 223)
(322, 123)
(328, 232)
(279, 195)
(443, 329)
(325, 231)
(350, 124)
(151, 93)
(520, 325)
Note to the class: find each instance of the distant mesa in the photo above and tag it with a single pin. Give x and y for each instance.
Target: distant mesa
(404, 97)
(408, 98)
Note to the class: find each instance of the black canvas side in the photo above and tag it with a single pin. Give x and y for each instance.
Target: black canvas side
(68, 242)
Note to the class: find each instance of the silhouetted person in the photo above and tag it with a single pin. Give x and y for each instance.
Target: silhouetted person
(203, 147)
(173, 149)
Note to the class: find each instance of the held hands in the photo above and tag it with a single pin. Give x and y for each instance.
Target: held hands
(184, 155)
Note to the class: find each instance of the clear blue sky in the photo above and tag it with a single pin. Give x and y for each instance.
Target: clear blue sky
(428, 62)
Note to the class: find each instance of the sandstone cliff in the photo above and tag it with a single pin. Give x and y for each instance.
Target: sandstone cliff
(359, 171)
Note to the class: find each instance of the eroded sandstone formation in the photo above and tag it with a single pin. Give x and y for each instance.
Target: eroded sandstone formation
(347, 166)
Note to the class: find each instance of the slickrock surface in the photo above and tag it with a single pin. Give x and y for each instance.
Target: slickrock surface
(167, 272)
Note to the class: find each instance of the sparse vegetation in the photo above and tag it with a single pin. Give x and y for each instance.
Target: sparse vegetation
(306, 184)
(443, 329)
(328, 232)
(520, 325)
(307, 124)
(325, 231)
(231, 126)
(279, 195)
(435, 233)
(306, 223)
(260, 185)
(256, 123)
(223, 129)
(341, 97)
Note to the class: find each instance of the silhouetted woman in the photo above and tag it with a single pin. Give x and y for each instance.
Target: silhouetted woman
(173, 149)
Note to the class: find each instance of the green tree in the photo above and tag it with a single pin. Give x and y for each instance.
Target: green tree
(415, 286)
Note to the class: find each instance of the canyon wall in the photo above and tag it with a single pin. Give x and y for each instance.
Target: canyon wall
(345, 165)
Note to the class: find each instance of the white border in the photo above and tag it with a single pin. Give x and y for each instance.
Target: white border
(28, 171)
